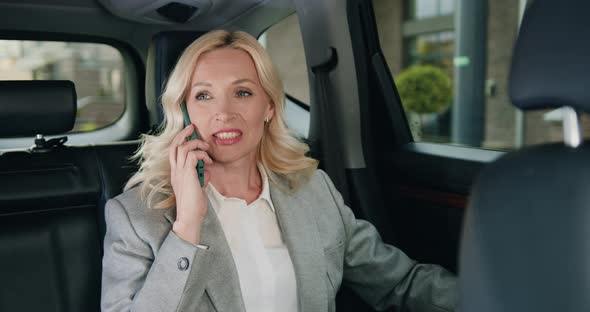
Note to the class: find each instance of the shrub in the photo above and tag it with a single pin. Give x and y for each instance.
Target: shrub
(424, 89)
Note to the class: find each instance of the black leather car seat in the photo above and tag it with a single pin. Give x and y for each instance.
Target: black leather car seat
(52, 201)
(526, 240)
(49, 238)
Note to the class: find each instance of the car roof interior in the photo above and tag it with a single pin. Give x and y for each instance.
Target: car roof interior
(120, 20)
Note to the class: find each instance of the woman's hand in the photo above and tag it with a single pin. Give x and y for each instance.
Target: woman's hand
(191, 200)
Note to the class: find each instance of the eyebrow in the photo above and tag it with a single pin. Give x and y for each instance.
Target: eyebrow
(244, 80)
(205, 84)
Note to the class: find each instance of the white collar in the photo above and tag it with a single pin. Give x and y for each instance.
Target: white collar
(217, 198)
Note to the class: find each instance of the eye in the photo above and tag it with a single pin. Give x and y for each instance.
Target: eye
(202, 96)
(243, 93)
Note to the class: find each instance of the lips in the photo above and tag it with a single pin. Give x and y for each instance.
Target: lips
(227, 136)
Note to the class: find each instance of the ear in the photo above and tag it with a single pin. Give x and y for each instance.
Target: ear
(270, 112)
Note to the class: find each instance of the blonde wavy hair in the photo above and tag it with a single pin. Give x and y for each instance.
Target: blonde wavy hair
(279, 151)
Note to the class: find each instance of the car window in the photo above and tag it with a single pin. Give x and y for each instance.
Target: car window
(420, 41)
(97, 71)
(284, 43)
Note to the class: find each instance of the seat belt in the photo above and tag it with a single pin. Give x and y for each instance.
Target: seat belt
(329, 143)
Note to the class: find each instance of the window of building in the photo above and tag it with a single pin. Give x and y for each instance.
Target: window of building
(284, 43)
(421, 43)
(433, 48)
(97, 71)
(419, 9)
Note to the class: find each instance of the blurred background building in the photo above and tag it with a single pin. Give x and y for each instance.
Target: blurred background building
(97, 70)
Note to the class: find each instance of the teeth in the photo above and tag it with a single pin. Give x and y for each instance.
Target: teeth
(227, 135)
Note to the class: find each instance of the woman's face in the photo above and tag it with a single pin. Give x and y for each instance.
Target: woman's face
(228, 105)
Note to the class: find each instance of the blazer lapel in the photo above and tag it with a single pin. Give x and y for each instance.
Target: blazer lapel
(220, 279)
(301, 236)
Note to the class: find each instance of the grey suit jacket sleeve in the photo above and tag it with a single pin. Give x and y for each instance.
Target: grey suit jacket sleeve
(384, 276)
(138, 276)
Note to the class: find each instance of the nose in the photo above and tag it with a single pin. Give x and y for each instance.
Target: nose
(224, 112)
(225, 116)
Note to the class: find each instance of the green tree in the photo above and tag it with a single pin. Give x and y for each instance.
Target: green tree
(424, 89)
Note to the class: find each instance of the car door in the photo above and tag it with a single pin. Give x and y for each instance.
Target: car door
(409, 170)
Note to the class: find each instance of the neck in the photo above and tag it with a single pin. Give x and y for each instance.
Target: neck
(239, 179)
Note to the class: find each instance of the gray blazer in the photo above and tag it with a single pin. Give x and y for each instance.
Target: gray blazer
(143, 271)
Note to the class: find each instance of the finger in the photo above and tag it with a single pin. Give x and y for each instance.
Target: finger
(181, 154)
(190, 178)
(208, 161)
(182, 135)
(194, 144)
(194, 156)
(190, 174)
(203, 155)
(178, 140)
(189, 147)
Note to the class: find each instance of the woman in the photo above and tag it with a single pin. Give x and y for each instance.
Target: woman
(267, 232)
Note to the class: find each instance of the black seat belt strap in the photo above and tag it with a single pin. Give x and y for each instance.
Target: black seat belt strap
(330, 143)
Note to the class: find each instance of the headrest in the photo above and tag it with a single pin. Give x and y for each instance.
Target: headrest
(28, 108)
(163, 54)
(550, 64)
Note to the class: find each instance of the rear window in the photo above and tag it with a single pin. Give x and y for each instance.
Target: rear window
(97, 70)
(284, 44)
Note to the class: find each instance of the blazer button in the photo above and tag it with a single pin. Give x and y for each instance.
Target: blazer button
(183, 264)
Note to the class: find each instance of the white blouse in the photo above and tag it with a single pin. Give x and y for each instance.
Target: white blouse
(265, 270)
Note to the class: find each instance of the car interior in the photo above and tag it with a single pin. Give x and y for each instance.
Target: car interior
(511, 223)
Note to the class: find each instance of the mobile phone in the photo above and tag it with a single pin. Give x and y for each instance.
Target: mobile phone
(194, 136)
